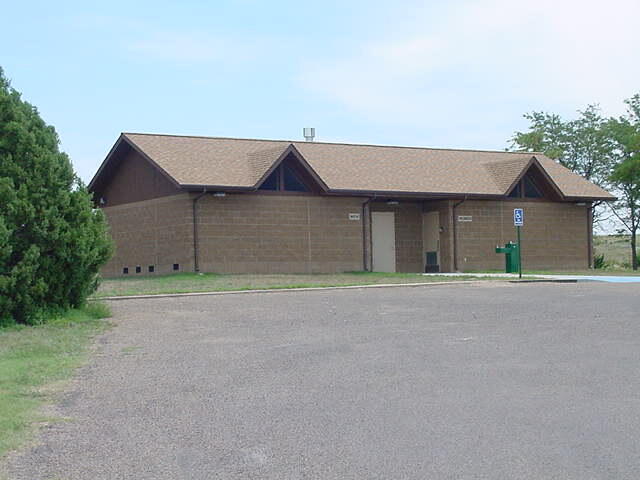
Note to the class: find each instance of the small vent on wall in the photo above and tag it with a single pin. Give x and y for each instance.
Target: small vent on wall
(152, 268)
(176, 266)
(138, 269)
(125, 271)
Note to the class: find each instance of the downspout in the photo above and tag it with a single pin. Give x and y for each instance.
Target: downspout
(364, 233)
(196, 267)
(455, 233)
(590, 235)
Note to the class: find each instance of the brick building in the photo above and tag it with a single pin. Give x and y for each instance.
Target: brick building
(178, 203)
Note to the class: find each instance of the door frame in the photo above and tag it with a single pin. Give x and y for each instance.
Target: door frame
(393, 238)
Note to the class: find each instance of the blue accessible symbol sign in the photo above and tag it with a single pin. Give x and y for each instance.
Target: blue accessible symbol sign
(518, 217)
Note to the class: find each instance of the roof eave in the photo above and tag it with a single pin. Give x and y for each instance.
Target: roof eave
(401, 193)
(610, 198)
(196, 187)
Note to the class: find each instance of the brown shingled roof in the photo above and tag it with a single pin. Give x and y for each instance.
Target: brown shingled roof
(241, 163)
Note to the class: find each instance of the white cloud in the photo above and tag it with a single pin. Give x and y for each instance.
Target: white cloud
(480, 56)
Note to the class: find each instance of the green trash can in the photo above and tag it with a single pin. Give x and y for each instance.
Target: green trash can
(510, 251)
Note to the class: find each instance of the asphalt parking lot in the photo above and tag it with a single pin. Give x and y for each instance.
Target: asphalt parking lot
(489, 381)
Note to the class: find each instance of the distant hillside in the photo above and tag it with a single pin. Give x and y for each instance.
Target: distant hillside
(616, 249)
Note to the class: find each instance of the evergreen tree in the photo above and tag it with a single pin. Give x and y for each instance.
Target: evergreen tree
(52, 241)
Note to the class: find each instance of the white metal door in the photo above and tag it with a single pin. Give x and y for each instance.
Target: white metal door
(383, 236)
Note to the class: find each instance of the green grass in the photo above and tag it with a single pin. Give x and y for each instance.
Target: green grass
(211, 282)
(33, 362)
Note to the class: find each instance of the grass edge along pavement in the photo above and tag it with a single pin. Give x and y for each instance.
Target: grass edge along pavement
(34, 360)
(212, 282)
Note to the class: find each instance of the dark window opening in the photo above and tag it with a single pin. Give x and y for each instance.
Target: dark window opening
(176, 266)
(138, 269)
(525, 188)
(285, 179)
(125, 271)
(272, 182)
(291, 181)
(530, 189)
(152, 268)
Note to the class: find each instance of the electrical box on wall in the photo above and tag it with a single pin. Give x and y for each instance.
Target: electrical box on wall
(354, 216)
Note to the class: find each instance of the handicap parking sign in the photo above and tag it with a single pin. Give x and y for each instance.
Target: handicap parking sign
(518, 217)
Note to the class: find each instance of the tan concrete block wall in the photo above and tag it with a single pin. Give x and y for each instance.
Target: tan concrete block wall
(155, 232)
(279, 234)
(409, 252)
(555, 235)
(300, 233)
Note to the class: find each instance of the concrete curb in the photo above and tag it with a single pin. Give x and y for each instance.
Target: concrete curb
(302, 289)
(547, 280)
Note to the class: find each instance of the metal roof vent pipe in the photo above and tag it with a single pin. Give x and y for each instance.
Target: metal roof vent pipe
(309, 134)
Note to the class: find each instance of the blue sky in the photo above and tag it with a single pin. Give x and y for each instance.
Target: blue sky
(441, 74)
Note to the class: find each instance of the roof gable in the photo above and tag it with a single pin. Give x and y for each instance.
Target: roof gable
(543, 184)
(119, 153)
(541, 177)
(299, 172)
(572, 185)
(292, 155)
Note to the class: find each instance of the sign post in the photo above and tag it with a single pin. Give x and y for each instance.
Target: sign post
(518, 221)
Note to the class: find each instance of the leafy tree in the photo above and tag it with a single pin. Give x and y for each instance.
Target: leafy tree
(582, 145)
(625, 132)
(547, 134)
(52, 241)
